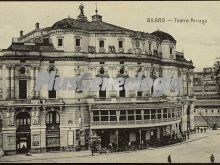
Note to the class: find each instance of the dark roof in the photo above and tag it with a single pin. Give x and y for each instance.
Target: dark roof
(70, 23)
(163, 36)
(46, 47)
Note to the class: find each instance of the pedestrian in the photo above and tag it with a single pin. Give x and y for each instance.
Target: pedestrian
(201, 130)
(198, 129)
(188, 134)
(110, 147)
(93, 148)
(212, 158)
(205, 129)
(169, 159)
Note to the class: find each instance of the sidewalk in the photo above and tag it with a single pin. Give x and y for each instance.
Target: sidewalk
(87, 153)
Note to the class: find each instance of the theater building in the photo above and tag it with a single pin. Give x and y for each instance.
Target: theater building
(63, 120)
(207, 92)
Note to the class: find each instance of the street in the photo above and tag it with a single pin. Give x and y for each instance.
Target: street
(195, 150)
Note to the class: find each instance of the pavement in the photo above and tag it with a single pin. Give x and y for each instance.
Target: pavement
(197, 149)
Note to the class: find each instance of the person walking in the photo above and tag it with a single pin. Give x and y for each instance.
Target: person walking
(205, 129)
(198, 129)
(169, 159)
(212, 158)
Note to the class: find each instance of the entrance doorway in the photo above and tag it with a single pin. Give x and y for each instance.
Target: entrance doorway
(53, 131)
(23, 132)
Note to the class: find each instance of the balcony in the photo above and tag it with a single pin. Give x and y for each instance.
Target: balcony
(101, 50)
(102, 99)
(120, 50)
(52, 101)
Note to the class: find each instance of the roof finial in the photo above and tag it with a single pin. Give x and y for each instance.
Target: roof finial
(96, 11)
(81, 7)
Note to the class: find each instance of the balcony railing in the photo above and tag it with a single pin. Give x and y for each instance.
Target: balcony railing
(52, 101)
(101, 50)
(103, 99)
(134, 122)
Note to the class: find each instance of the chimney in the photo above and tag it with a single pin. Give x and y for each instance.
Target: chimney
(37, 25)
(21, 33)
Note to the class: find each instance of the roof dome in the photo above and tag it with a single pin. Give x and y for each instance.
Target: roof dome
(163, 36)
(69, 23)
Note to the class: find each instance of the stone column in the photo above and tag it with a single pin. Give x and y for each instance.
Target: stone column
(7, 82)
(36, 70)
(12, 81)
(32, 82)
(184, 118)
(192, 123)
(117, 136)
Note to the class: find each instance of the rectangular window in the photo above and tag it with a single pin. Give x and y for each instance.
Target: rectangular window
(122, 115)
(153, 113)
(52, 94)
(102, 94)
(169, 113)
(60, 42)
(159, 113)
(113, 115)
(101, 44)
(120, 44)
(138, 115)
(149, 47)
(139, 93)
(77, 42)
(130, 114)
(171, 50)
(122, 93)
(22, 89)
(95, 115)
(104, 115)
(165, 113)
(146, 114)
(172, 113)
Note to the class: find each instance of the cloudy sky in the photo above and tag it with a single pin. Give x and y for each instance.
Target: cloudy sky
(200, 43)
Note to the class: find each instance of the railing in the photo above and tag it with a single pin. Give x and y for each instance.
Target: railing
(22, 101)
(52, 101)
(103, 99)
(102, 50)
(134, 122)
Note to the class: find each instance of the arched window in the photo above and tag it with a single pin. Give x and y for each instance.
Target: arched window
(23, 119)
(52, 117)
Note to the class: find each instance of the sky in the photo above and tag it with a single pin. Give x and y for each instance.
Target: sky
(200, 43)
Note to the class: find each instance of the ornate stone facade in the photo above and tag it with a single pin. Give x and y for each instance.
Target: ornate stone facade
(64, 120)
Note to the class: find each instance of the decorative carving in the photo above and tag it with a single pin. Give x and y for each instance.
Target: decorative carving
(35, 115)
(111, 49)
(120, 50)
(91, 49)
(10, 117)
(102, 50)
(77, 48)
(129, 51)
